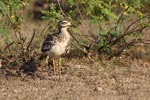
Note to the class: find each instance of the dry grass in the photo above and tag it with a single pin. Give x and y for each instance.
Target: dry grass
(122, 78)
(117, 79)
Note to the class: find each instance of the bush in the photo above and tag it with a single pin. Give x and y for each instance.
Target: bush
(108, 17)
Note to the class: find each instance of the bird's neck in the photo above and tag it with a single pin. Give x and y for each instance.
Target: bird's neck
(64, 31)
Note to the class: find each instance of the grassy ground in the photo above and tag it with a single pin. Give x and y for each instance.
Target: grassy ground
(122, 78)
(117, 79)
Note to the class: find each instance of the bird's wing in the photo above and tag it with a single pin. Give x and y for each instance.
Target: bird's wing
(49, 41)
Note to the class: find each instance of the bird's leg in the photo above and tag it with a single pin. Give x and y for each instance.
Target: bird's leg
(54, 66)
(50, 66)
(59, 67)
(48, 61)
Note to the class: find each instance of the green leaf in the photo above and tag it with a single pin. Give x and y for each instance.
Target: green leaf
(101, 43)
(3, 9)
(70, 2)
(75, 30)
(103, 32)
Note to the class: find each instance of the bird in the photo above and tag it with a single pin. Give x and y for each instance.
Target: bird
(55, 45)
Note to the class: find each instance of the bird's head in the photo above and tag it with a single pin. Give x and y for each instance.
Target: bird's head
(64, 23)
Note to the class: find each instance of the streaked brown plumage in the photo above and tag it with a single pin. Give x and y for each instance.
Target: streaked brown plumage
(55, 45)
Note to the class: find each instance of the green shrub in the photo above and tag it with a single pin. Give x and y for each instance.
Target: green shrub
(108, 16)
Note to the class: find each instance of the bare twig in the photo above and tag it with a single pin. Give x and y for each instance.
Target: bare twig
(125, 34)
(118, 21)
(61, 10)
(15, 32)
(126, 45)
(143, 41)
(79, 11)
(44, 28)
(71, 32)
(31, 39)
(8, 46)
(26, 26)
(133, 30)
(118, 53)
(22, 40)
(136, 21)
(79, 48)
(9, 49)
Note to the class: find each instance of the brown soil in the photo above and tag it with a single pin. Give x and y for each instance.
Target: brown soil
(118, 79)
